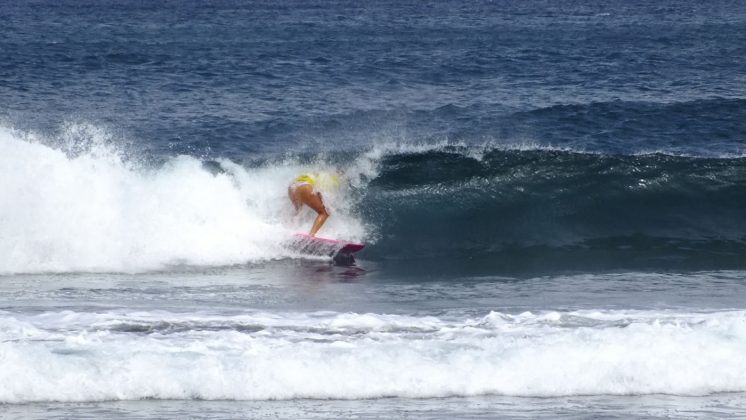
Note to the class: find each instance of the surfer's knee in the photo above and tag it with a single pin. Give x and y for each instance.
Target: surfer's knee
(314, 201)
(323, 212)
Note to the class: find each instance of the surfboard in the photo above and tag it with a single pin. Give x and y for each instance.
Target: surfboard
(319, 246)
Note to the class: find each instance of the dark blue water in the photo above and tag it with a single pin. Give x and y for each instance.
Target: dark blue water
(498, 157)
(236, 78)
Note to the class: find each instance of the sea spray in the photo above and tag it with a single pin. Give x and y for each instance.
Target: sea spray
(93, 210)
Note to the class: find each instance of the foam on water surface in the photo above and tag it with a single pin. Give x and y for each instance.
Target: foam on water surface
(123, 355)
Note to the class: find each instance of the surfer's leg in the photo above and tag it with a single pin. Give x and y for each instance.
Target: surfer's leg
(320, 219)
(313, 200)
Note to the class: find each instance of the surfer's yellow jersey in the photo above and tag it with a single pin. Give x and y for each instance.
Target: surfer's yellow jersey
(319, 180)
(307, 178)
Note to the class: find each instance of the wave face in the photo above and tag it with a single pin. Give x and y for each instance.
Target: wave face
(328, 355)
(560, 207)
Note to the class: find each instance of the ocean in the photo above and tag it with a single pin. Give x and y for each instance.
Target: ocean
(551, 192)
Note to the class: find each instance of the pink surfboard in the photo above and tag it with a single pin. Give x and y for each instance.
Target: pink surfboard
(316, 245)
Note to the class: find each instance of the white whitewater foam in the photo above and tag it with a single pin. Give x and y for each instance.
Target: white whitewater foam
(70, 356)
(84, 208)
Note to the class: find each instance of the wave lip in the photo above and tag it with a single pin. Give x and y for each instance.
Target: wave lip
(329, 355)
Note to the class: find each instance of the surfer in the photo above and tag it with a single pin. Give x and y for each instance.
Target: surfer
(301, 191)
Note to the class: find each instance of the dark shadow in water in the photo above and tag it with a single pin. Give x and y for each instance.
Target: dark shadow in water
(316, 270)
